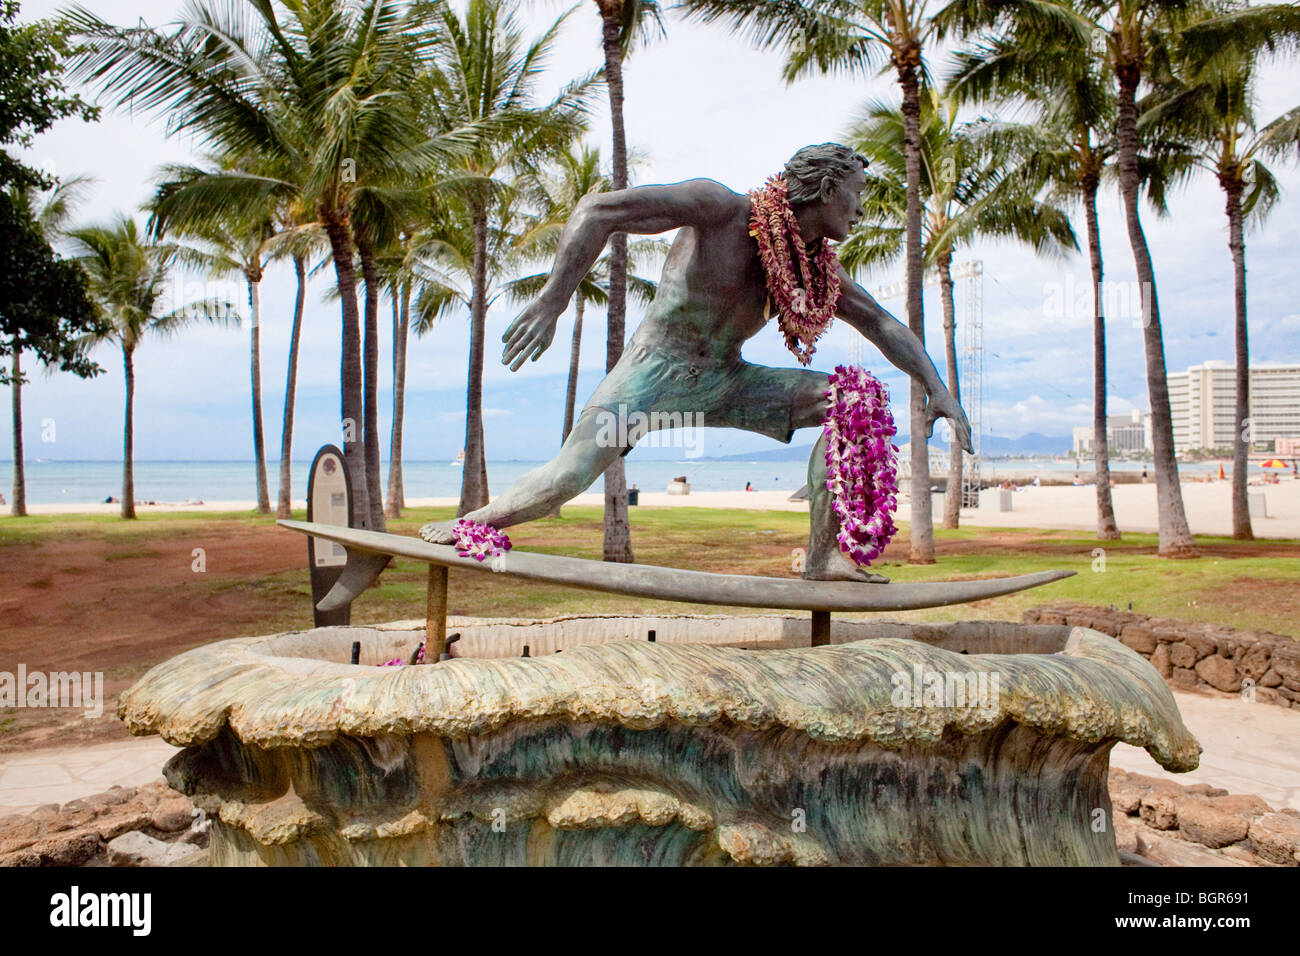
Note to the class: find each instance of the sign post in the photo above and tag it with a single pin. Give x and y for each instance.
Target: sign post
(329, 501)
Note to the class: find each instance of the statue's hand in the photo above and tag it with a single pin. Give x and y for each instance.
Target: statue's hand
(943, 405)
(529, 335)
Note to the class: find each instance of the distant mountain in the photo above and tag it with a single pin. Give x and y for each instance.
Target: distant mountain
(1032, 443)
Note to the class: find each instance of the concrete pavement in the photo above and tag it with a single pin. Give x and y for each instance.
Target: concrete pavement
(61, 774)
(1248, 748)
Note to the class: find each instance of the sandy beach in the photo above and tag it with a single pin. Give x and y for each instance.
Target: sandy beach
(1209, 507)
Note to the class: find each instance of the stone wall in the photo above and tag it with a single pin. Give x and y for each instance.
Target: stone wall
(151, 825)
(1191, 654)
(1166, 824)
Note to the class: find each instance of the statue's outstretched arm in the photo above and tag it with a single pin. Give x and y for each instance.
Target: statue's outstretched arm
(641, 210)
(903, 350)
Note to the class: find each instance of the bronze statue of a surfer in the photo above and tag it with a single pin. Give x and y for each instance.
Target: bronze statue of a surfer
(685, 355)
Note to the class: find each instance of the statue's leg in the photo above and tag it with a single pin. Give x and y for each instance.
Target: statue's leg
(824, 561)
(585, 455)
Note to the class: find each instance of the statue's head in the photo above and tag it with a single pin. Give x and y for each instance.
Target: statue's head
(826, 181)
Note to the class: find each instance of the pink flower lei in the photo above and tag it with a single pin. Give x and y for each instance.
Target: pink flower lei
(806, 303)
(479, 541)
(860, 470)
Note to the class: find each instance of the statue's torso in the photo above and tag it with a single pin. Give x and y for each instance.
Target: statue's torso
(712, 293)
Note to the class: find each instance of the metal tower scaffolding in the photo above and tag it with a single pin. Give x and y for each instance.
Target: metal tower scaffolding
(970, 362)
(970, 374)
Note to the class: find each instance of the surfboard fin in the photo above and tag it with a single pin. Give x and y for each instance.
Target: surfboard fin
(361, 571)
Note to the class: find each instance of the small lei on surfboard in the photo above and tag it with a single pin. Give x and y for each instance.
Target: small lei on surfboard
(860, 470)
(478, 541)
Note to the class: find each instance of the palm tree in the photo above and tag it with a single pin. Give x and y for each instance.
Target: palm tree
(395, 268)
(622, 22)
(973, 187)
(126, 277)
(1206, 108)
(1133, 34)
(298, 238)
(379, 214)
(50, 215)
(1071, 139)
(446, 259)
(226, 245)
(318, 92)
(485, 76)
(861, 37)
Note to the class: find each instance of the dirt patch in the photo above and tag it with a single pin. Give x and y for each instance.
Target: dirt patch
(88, 604)
(1248, 595)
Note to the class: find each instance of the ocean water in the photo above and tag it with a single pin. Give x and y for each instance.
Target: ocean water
(84, 482)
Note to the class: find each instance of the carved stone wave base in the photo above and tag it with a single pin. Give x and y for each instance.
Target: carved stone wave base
(648, 754)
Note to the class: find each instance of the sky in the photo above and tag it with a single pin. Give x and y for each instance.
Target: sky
(699, 103)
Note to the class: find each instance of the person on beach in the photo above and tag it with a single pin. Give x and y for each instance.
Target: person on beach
(714, 295)
(748, 487)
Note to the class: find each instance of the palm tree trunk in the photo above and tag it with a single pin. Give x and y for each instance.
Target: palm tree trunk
(1107, 530)
(284, 505)
(571, 394)
(952, 496)
(350, 371)
(618, 538)
(473, 486)
(18, 507)
(370, 379)
(922, 522)
(255, 366)
(1241, 528)
(1175, 535)
(401, 333)
(128, 437)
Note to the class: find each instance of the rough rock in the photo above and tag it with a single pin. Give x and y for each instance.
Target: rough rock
(1267, 695)
(115, 824)
(1275, 837)
(1201, 640)
(1254, 662)
(1286, 660)
(173, 815)
(116, 796)
(1160, 661)
(1171, 851)
(1184, 677)
(140, 849)
(69, 850)
(1182, 655)
(1271, 678)
(1218, 821)
(1219, 673)
(1241, 853)
(1139, 638)
(1159, 810)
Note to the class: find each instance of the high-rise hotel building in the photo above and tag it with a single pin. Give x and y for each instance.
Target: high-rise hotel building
(1203, 402)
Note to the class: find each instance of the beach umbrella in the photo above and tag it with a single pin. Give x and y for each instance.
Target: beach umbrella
(1273, 463)
(1222, 477)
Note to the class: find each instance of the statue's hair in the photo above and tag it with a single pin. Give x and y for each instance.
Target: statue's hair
(814, 171)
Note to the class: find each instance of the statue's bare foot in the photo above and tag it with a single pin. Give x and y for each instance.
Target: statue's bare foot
(439, 532)
(839, 568)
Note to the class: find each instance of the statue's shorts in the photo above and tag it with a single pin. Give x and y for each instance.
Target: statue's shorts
(669, 391)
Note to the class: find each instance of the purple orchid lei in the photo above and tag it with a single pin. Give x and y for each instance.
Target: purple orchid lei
(860, 462)
(479, 541)
(401, 661)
